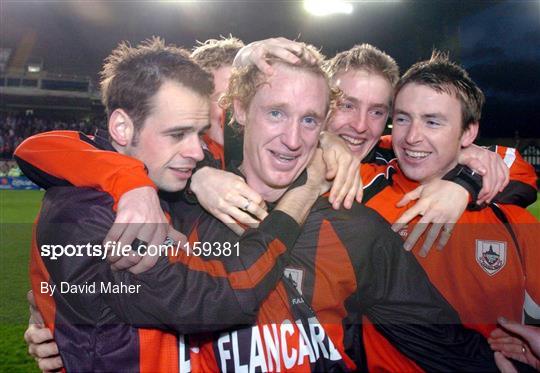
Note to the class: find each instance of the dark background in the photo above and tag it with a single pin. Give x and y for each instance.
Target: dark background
(497, 41)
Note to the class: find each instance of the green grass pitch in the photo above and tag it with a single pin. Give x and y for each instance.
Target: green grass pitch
(18, 210)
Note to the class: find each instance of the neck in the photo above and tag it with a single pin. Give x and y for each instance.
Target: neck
(439, 175)
(268, 193)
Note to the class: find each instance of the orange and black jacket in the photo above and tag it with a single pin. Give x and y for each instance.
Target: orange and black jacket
(488, 268)
(344, 264)
(93, 315)
(87, 152)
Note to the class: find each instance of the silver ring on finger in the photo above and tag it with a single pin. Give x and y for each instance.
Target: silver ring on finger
(246, 206)
(446, 230)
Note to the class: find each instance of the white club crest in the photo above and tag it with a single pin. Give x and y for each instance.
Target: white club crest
(491, 255)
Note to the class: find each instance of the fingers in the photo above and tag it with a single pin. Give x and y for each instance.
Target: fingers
(230, 223)
(411, 196)
(281, 48)
(51, 364)
(360, 192)
(146, 262)
(241, 216)
(176, 236)
(431, 236)
(527, 332)
(43, 350)
(418, 230)
(445, 235)
(343, 181)
(498, 333)
(502, 177)
(36, 334)
(504, 365)
(30, 298)
(355, 191)
(257, 206)
(406, 217)
(35, 315)
(258, 58)
(116, 257)
(114, 235)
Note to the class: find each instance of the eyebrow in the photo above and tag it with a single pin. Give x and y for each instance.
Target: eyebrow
(401, 112)
(435, 115)
(423, 116)
(356, 102)
(187, 128)
(285, 106)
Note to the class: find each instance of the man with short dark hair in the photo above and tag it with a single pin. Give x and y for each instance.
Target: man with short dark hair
(489, 267)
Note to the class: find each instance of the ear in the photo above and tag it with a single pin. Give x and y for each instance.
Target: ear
(240, 113)
(121, 127)
(469, 135)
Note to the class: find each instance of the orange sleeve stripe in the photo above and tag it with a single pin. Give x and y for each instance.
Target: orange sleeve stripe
(38, 274)
(245, 279)
(63, 154)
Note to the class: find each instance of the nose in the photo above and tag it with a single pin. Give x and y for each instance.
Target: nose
(193, 149)
(291, 136)
(414, 134)
(360, 122)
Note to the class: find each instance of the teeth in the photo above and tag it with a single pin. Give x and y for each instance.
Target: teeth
(181, 169)
(284, 157)
(413, 154)
(352, 140)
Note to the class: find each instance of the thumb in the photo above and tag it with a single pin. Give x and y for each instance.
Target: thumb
(516, 328)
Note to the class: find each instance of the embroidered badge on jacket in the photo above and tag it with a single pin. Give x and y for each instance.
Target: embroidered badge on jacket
(491, 255)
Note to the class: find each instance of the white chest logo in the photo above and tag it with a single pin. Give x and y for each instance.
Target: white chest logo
(491, 255)
(296, 276)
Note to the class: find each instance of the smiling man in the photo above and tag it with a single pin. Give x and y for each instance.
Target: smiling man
(366, 76)
(489, 265)
(428, 151)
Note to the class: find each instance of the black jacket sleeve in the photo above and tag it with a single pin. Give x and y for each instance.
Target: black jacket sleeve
(184, 293)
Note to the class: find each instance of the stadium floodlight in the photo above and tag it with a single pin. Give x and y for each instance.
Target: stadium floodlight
(327, 7)
(34, 68)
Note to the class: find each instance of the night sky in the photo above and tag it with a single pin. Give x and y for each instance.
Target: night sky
(497, 41)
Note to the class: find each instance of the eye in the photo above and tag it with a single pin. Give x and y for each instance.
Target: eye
(310, 121)
(346, 106)
(378, 113)
(275, 114)
(178, 136)
(432, 123)
(400, 120)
